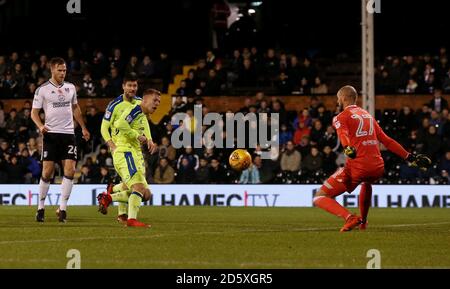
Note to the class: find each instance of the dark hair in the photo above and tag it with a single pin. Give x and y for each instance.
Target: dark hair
(130, 78)
(56, 61)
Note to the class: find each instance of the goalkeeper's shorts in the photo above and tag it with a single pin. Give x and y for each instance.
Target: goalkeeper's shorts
(130, 166)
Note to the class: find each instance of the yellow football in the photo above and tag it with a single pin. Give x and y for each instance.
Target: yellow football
(240, 160)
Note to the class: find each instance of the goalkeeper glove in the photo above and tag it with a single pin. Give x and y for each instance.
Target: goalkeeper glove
(350, 152)
(419, 161)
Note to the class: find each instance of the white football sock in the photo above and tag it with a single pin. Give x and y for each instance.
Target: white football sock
(66, 189)
(43, 190)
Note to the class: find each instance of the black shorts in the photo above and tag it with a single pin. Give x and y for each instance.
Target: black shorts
(59, 146)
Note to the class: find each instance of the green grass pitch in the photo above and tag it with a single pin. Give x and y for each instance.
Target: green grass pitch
(221, 237)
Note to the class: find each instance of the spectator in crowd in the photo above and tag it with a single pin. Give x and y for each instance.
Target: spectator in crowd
(283, 84)
(16, 171)
(117, 61)
(312, 162)
(104, 90)
(166, 150)
(132, 66)
(285, 134)
(271, 65)
(186, 173)
(411, 86)
(182, 90)
(213, 84)
(247, 75)
(290, 158)
(94, 169)
(104, 158)
(304, 147)
(319, 87)
(27, 127)
(267, 168)
(115, 81)
(210, 59)
(329, 161)
(88, 87)
(93, 124)
(100, 66)
(323, 115)
(33, 149)
(250, 175)
(9, 86)
(383, 83)
(203, 172)
(221, 73)
(12, 124)
(330, 139)
(263, 107)
(19, 75)
(235, 66)
(3, 65)
(438, 103)
(209, 154)
(304, 86)
(277, 107)
(32, 165)
(433, 143)
(105, 177)
(163, 68)
(85, 176)
(217, 174)
(164, 173)
(146, 69)
(2, 116)
(300, 132)
(304, 117)
(191, 82)
(193, 159)
(406, 119)
(316, 133)
(444, 163)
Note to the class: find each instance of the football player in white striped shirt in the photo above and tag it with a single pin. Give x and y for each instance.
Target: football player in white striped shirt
(58, 99)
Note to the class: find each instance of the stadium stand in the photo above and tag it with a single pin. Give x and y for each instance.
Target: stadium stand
(411, 107)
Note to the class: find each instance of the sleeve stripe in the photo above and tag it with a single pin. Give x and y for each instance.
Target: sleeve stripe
(134, 113)
(113, 104)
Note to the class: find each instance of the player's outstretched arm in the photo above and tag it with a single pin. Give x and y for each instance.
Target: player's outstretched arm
(390, 143)
(420, 161)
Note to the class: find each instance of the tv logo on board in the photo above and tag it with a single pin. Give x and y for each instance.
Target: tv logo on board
(73, 6)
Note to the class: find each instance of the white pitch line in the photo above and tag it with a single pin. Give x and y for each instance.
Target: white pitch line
(206, 233)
